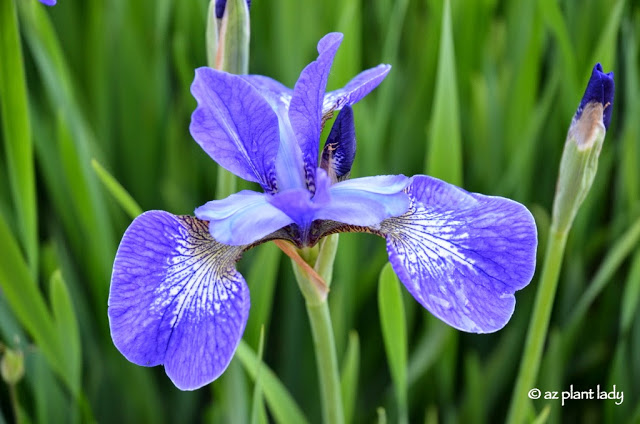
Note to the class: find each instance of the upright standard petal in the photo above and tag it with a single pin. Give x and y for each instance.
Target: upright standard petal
(462, 255)
(305, 110)
(176, 298)
(242, 218)
(355, 90)
(236, 126)
(273, 91)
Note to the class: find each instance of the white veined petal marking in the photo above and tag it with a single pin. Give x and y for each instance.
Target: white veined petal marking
(434, 246)
(201, 278)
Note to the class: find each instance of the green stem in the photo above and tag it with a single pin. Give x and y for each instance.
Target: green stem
(322, 331)
(324, 345)
(538, 326)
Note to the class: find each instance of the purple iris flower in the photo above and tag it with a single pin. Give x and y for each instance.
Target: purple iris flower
(48, 2)
(176, 298)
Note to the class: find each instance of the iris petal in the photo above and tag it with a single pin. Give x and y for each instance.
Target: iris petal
(462, 255)
(242, 218)
(176, 298)
(362, 84)
(273, 91)
(305, 110)
(366, 201)
(356, 89)
(236, 126)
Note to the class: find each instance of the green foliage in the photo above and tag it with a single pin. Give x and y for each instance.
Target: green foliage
(394, 333)
(481, 93)
(350, 371)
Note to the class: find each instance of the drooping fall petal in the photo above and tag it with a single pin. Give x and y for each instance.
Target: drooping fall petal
(176, 298)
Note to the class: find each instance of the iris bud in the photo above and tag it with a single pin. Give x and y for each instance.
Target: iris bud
(228, 35)
(582, 148)
(12, 366)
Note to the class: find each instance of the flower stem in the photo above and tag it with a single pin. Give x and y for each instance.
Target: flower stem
(538, 326)
(322, 330)
(327, 360)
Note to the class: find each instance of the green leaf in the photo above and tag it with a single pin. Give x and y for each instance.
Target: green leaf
(279, 401)
(67, 326)
(432, 343)
(444, 151)
(474, 408)
(394, 333)
(257, 409)
(616, 255)
(552, 16)
(543, 416)
(605, 50)
(262, 282)
(622, 378)
(124, 199)
(384, 109)
(76, 142)
(551, 369)
(349, 376)
(27, 303)
(230, 393)
(16, 131)
(631, 295)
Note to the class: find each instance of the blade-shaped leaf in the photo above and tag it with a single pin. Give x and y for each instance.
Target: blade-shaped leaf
(67, 326)
(257, 410)
(27, 303)
(16, 131)
(279, 401)
(128, 204)
(444, 152)
(349, 376)
(394, 332)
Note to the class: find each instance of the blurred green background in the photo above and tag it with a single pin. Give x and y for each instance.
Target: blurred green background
(482, 98)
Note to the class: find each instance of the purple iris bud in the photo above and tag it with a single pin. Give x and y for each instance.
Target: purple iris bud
(48, 2)
(585, 137)
(221, 4)
(600, 89)
(176, 297)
